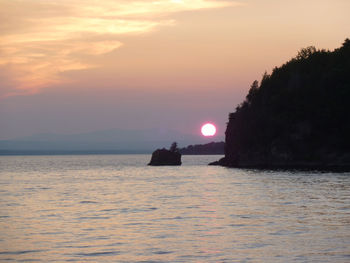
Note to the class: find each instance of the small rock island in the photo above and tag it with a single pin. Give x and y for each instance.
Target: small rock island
(166, 157)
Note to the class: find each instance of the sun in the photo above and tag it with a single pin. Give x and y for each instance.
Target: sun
(208, 130)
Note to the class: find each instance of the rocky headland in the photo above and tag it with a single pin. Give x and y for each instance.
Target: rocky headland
(296, 118)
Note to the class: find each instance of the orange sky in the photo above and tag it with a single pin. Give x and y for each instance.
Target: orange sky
(203, 53)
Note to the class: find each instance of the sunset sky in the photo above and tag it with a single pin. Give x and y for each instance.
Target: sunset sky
(72, 66)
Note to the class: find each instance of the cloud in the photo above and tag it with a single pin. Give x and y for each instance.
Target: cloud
(41, 39)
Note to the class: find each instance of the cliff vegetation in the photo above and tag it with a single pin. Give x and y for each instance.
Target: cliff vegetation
(296, 117)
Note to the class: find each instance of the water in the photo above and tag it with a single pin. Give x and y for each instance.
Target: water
(114, 208)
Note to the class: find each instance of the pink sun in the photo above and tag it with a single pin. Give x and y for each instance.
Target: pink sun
(208, 130)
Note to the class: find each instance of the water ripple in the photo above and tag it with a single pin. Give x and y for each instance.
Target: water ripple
(114, 208)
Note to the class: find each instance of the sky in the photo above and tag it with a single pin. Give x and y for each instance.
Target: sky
(76, 66)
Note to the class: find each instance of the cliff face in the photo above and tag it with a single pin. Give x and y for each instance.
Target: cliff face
(298, 117)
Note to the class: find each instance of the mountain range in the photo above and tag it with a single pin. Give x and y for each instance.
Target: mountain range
(104, 141)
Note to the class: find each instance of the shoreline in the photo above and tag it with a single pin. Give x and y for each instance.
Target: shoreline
(343, 168)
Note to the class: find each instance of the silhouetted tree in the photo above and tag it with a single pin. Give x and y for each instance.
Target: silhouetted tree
(173, 147)
(253, 90)
(304, 53)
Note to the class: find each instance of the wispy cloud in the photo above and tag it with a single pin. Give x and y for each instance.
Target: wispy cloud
(40, 39)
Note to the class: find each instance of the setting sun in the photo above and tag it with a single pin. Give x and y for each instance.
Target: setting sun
(208, 129)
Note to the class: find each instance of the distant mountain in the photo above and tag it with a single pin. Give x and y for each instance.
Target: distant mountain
(106, 141)
(204, 149)
(298, 117)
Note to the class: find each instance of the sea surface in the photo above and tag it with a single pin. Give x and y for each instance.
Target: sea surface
(115, 208)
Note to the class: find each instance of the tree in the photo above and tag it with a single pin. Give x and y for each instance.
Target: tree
(173, 147)
(253, 90)
(304, 53)
(346, 43)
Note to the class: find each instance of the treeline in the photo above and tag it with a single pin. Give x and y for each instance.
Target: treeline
(298, 115)
(204, 149)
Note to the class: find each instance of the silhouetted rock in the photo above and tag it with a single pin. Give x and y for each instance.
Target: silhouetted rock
(220, 162)
(203, 149)
(298, 117)
(165, 157)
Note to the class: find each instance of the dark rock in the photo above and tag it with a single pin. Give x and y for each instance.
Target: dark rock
(220, 162)
(165, 157)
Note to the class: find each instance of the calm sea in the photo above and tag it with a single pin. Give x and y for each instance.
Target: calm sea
(114, 208)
